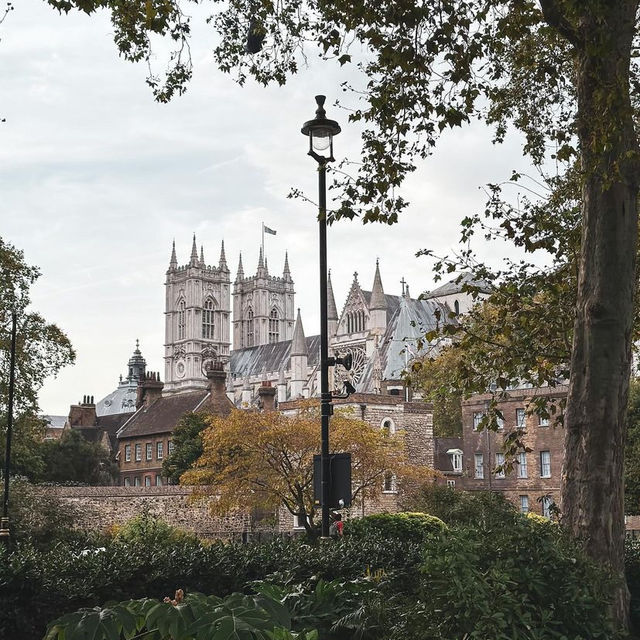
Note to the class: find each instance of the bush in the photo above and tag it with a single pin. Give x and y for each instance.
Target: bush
(632, 573)
(508, 576)
(150, 530)
(408, 526)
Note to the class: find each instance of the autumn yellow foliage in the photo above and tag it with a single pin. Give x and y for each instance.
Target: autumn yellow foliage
(264, 460)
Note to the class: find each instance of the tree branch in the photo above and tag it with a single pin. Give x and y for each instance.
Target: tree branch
(555, 18)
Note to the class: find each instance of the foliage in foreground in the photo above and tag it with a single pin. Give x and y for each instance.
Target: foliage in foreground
(489, 573)
(407, 526)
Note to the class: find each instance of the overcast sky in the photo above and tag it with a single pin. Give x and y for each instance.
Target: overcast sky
(96, 180)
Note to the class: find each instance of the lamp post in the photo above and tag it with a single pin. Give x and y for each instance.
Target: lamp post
(4, 522)
(320, 131)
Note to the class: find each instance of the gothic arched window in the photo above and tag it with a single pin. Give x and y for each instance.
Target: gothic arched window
(207, 319)
(249, 327)
(182, 320)
(274, 326)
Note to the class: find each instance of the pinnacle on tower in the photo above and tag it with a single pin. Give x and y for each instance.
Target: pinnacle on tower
(223, 260)
(332, 310)
(298, 342)
(173, 262)
(194, 253)
(240, 273)
(261, 260)
(266, 267)
(378, 300)
(202, 255)
(286, 273)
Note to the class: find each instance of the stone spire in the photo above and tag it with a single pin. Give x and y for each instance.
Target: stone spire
(202, 256)
(260, 260)
(332, 310)
(378, 300)
(173, 263)
(193, 262)
(298, 343)
(286, 273)
(240, 273)
(222, 265)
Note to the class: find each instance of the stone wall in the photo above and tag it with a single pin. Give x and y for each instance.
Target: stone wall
(101, 508)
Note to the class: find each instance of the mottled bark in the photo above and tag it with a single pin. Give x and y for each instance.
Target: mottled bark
(592, 492)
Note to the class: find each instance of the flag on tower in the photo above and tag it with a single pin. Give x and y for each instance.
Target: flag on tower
(268, 230)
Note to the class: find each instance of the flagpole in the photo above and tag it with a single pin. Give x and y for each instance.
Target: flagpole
(263, 239)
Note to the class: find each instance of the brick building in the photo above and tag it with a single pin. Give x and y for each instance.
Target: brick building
(533, 483)
(145, 438)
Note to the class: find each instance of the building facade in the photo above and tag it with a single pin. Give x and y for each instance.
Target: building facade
(532, 479)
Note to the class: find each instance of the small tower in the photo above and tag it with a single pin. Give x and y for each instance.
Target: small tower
(377, 305)
(136, 365)
(263, 306)
(197, 320)
(299, 359)
(332, 310)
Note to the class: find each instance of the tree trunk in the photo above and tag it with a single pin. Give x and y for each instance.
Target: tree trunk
(592, 487)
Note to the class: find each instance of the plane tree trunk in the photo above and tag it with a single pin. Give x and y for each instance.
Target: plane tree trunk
(592, 487)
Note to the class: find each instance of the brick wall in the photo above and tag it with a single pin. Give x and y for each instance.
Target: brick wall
(144, 471)
(536, 437)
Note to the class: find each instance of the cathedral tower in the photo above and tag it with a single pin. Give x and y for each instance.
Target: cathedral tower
(197, 322)
(263, 306)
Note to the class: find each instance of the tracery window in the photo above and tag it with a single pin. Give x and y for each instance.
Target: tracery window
(274, 326)
(249, 327)
(182, 317)
(207, 319)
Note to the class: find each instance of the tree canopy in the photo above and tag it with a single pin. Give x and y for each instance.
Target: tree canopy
(264, 460)
(187, 446)
(559, 71)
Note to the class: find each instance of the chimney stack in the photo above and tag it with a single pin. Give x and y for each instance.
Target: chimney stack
(149, 389)
(217, 377)
(83, 414)
(267, 395)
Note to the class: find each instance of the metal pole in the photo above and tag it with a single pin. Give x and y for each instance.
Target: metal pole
(4, 525)
(325, 396)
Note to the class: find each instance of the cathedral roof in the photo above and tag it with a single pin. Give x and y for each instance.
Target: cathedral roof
(253, 361)
(456, 285)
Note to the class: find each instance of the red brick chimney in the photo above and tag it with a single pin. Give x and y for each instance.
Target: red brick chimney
(149, 389)
(83, 414)
(267, 395)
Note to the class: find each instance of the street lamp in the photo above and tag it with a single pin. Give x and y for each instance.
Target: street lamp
(4, 522)
(320, 131)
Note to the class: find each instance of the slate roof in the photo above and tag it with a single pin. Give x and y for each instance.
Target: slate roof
(411, 319)
(162, 415)
(455, 286)
(252, 361)
(55, 422)
(111, 423)
(442, 461)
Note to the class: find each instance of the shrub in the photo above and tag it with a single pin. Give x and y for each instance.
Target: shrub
(408, 526)
(150, 530)
(508, 576)
(632, 573)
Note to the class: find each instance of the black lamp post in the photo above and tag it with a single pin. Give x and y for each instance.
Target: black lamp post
(4, 522)
(320, 131)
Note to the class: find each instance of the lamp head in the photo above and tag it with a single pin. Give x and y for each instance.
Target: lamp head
(320, 131)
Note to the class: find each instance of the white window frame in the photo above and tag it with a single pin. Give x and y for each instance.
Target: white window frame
(547, 502)
(136, 481)
(158, 481)
(543, 422)
(500, 422)
(389, 424)
(523, 472)
(148, 451)
(521, 417)
(455, 455)
(545, 464)
(127, 482)
(170, 447)
(524, 504)
(159, 450)
(127, 453)
(478, 459)
(500, 462)
(147, 481)
(389, 482)
(477, 418)
(138, 452)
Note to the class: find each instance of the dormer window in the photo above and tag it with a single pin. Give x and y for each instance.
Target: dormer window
(455, 455)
